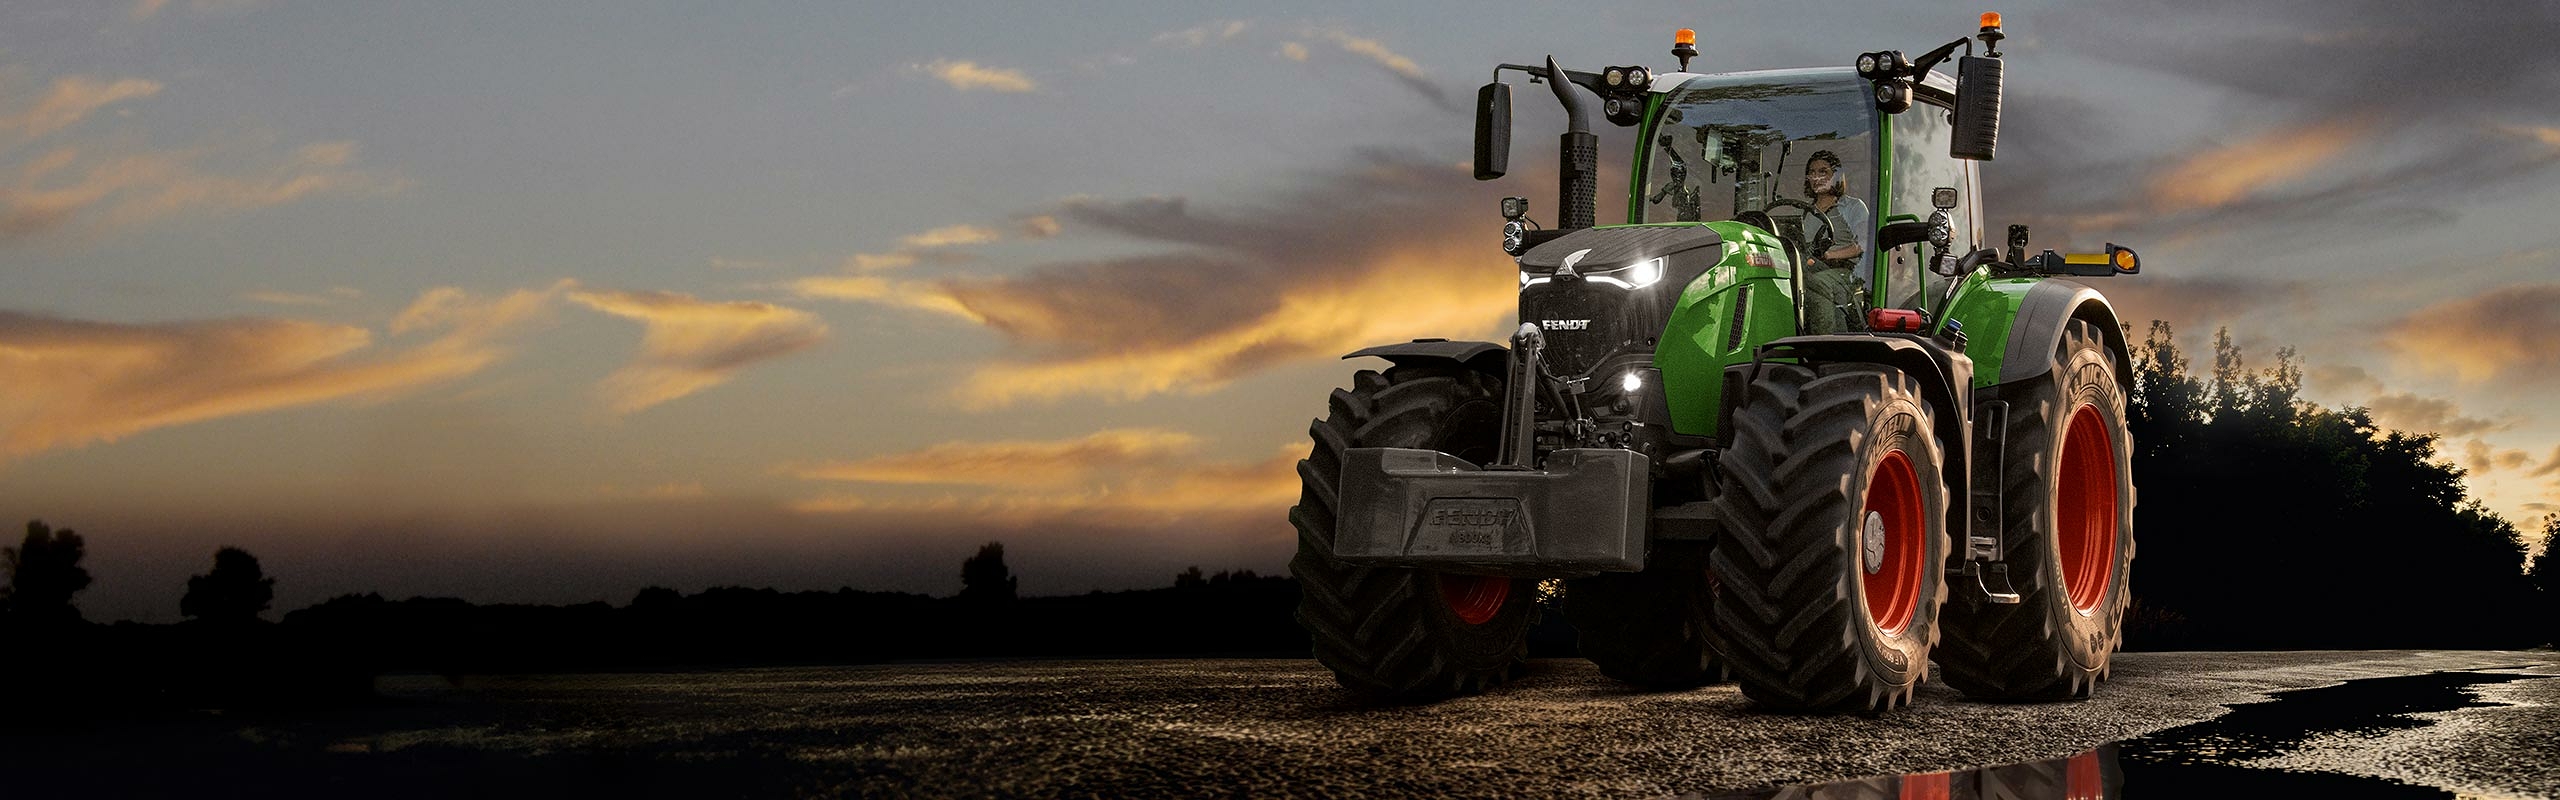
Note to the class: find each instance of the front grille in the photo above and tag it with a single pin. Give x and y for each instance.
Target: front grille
(1583, 321)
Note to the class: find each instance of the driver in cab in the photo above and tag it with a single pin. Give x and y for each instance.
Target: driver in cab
(1835, 234)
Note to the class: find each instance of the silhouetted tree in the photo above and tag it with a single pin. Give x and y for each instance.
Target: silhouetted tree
(1190, 578)
(44, 572)
(984, 577)
(235, 592)
(2267, 521)
(2546, 579)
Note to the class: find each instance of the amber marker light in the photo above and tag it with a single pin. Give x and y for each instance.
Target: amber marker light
(1990, 20)
(1688, 36)
(2124, 260)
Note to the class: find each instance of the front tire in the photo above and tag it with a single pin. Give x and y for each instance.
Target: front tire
(1393, 633)
(1832, 563)
(2067, 506)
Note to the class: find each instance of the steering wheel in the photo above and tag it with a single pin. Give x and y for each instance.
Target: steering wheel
(1805, 213)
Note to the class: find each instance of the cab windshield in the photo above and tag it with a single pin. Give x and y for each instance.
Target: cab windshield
(1788, 152)
(1793, 153)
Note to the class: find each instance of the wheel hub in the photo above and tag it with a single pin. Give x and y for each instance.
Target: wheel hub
(1875, 542)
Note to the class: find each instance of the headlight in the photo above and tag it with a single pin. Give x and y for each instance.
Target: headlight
(1631, 382)
(1632, 276)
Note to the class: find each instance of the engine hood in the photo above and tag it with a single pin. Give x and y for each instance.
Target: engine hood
(1618, 246)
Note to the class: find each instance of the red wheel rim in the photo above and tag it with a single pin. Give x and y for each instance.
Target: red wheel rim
(1474, 598)
(2086, 520)
(1890, 525)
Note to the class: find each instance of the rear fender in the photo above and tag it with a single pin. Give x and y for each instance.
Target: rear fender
(2044, 314)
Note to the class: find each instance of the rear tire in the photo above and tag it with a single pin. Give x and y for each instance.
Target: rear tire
(1649, 628)
(2066, 495)
(1405, 634)
(1832, 474)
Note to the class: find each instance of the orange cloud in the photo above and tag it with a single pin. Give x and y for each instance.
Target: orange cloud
(874, 289)
(334, 294)
(1381, 251)
(119, 189)
(2220, 177)
(2510, 333)
(1011, 463)
(1420, 291)
(691, 344)
(73, 98)
(2435, 415)
(970, 76)
(1115, 477)
(951, 235)
(120, 182)
(76, 382)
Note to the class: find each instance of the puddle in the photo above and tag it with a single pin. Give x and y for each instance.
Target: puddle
(2206, 759)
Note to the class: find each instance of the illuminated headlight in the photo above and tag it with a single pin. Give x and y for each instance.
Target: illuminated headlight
(1632, 276)
(1645, 273)
(1631, 382)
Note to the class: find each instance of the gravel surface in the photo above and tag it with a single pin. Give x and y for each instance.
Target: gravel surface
(1263, 728)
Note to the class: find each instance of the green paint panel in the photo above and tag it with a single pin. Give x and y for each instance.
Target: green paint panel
(1987, 306)
(1693, 353)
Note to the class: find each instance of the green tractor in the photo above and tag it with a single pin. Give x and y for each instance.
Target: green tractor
(1793, 423)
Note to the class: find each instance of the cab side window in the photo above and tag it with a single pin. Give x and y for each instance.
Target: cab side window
(1920, 166)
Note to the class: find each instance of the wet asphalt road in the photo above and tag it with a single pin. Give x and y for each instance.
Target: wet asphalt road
(1275, 728)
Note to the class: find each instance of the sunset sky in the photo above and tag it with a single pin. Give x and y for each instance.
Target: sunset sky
(550, 302)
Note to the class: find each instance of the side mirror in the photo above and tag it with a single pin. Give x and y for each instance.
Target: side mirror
(1493, 130)
(1977, 131)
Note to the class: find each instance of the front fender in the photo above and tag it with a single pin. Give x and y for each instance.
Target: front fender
(1485, 357)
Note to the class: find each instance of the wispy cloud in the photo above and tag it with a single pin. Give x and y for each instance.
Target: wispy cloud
(1376, 52)
(73, 98)
(971, 76)
(333, 295)
(2510, 333)
(1203, 35)
(951, 236)
(1380, 250)
(1114, 477)
(146, 9)
(105, 182)
(2423, 142)
(2252, 167)
(2435, 415)
(692, 344)
(113, 188)
(77, 382)
(1029, 463)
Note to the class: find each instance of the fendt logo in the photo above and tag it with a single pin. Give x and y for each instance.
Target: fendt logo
(1565, 324)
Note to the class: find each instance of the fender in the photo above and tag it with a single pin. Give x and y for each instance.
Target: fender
(1485, 357)
(1946, 382)
(2043, 313)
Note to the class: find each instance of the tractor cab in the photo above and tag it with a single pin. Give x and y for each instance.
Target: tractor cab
(1804, 154)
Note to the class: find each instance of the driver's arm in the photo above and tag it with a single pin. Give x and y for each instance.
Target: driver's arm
(1855, 214)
